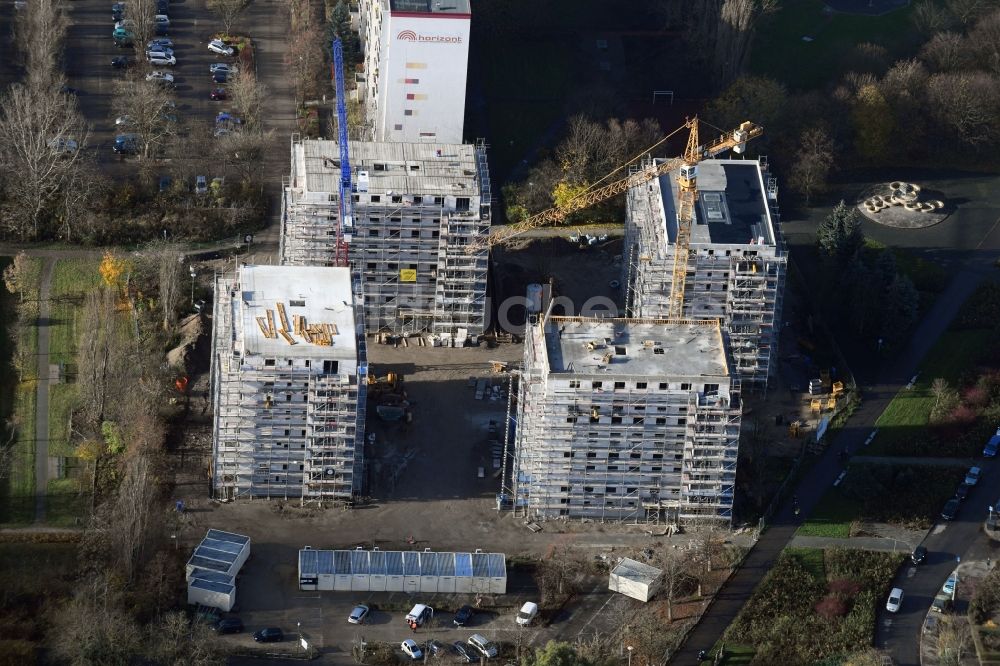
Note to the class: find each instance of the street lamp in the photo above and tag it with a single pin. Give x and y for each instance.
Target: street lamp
(194, 274)
(629, 648)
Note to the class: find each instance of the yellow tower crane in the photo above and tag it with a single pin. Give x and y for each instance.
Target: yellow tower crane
(734, 140)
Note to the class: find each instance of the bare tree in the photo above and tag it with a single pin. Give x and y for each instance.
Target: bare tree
(41, 134)
(967, 10)
(984, 39)
(813, 162)
(139, 18)
(169, 260)
(930, 17)
(102, 355)
(946, 52)
(227, 11)
(967, 103)
(41, 37)
(17, 276)
(247, 95)
(245, 151)
(737, 20)
(305, 57)
(150, 112)
(954, 641)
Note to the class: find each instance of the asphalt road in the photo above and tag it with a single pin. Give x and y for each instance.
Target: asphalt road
(817, 480)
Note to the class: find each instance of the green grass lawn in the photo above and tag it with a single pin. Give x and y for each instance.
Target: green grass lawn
(66, 502)
(72, 279)
(781, 53)
(734, 655)
(62, 401)
(905, 419)
(832, 517)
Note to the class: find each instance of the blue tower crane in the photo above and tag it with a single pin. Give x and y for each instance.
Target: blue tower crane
(346, 197)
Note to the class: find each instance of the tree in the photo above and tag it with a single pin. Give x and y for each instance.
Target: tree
(812, 163)
(17, 277)
(141, 14)
(227, 11)
(737, 19)
(247, 95)
(873, 123)
(169, 261)
(967, 104)
(946, 52)
(564, 193)
(749, 97)
(114, 269)
(953, 641)
(930, 17)
(150, 111)
(839, 235)
(340, 27)
(305, 57)
(36, 159)
(42, 35)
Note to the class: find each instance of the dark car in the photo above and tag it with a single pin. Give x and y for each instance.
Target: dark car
(218, 94)
(269, 635)
(918, 555)
(962, 491)
(162, 6)
(220, 76)
(463, 615)
(950, 509)
(161, 29)
(126, 144)
(228, 625)
(465, 652)
(435, 648)
(67, 90)
(165, 183)
(121, 62)
(118, 11)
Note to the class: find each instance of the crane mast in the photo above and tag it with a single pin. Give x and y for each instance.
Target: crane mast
(346, 198)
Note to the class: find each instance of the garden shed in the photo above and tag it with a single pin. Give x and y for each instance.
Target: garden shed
(635, 579)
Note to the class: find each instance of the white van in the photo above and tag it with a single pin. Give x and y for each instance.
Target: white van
(528, 612)
(488, 650)
(419, 614)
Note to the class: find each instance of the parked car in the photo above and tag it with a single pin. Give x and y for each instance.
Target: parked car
(942, 603)
(419, 615)
(411, 649)
(226, 118)
(162, 6)
(463, 615)
(124, 23)
(228, 625)
(126, 144)
(465, 652)
(161, 60)
(972, 476)
(118, 11)
(63, 146)
(123, 121)
(162, 50)
(949, 585)
(269, 635)
(163, 78)
(218, 95)
(990, 450)
(162, 43)
(122, 37)
(121, 62)
(962, 491)
(223, 67)
(220, 77)
(487, 649)
(950, 509)
(918, 555)
(359, 614)
(220, 47)
(527, 613)
(200, 185)
(435, 648)
(160, 29)
(69, 90)
(165, 183)
(895, 600)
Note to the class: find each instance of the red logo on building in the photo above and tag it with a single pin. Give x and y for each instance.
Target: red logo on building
(411, 36)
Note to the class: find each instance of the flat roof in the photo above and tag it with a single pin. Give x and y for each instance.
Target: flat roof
(322, 295)
(731, 207)
(431, 6)
(637, 571)
(400, 563)
(439, 169)
(637, 347)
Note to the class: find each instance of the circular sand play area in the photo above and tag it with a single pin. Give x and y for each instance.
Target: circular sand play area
(902, 205)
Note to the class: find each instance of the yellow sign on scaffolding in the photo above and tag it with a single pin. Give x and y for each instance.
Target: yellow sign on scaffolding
(407, 274)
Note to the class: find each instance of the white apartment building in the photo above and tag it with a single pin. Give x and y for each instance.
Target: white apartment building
(416, 208)
(736, 265)
(289, 375)
(416, 60)
(634, 420)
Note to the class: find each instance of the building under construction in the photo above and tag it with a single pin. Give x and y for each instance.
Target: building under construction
(737, 260)
(416, 206)
(626, 420)
(288, 384)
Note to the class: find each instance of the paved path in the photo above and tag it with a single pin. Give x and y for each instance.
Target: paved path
(856, 543)
(737, 590)
(42, 391)
(904, 460)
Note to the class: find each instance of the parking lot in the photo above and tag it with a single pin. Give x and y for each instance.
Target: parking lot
(90, 48)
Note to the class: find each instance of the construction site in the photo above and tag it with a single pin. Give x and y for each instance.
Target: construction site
(416, 208)
(289, 382)
(632, 420)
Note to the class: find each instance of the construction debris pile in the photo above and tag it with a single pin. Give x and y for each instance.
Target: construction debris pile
(317, 334)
